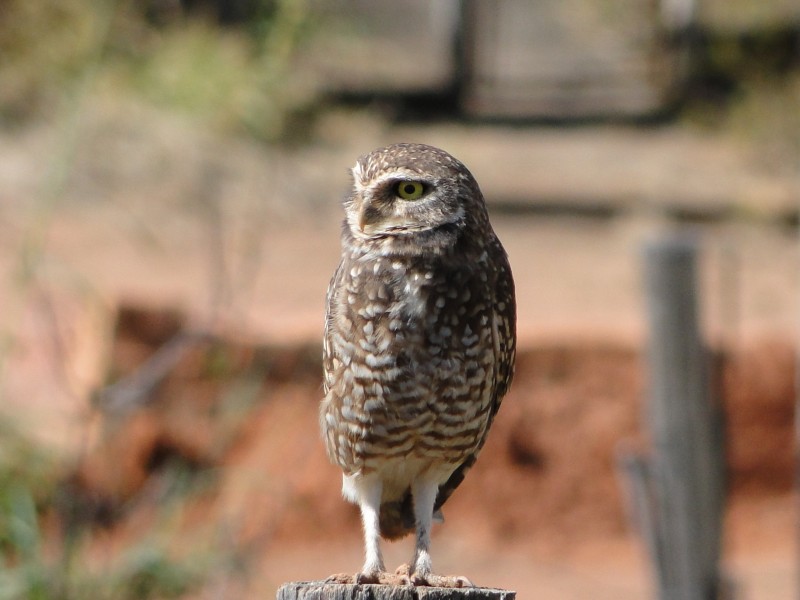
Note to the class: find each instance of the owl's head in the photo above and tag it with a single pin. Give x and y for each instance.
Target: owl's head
(407, 189)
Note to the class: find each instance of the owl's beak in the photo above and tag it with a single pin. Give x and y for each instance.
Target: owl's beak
(368, 217)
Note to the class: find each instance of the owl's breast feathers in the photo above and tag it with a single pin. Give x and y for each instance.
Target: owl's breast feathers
(418, 353)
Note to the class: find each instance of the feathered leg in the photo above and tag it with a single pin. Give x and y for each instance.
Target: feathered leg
(424, 492)
(367, 493)
(370, 504)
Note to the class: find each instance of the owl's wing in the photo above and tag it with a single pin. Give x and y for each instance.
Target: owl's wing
(397, 518)
(327, 345)
(505, 329)
(504, 316)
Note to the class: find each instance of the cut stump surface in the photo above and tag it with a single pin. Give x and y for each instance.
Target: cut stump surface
(320, 590)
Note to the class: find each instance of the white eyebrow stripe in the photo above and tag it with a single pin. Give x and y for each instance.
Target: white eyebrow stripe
(361, 184)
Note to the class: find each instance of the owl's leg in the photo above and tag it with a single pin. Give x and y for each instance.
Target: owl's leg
(366, 493)
(370, 503)
(424, 491)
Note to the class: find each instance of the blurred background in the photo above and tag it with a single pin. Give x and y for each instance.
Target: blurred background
(171, 174)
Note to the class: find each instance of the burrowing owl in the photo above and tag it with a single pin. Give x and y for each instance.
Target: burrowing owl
(419, 345)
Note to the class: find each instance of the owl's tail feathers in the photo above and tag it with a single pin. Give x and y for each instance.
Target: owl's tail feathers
(397, 518)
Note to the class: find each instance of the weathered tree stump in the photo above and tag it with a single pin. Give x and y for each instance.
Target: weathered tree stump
(679, 492)
(320, 590)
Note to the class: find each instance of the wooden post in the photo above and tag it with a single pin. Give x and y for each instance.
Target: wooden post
(321, 590)
(679, 492)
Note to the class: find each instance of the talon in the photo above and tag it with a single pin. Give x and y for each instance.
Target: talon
(344, 578)
(372, 578)
(448, 581)
(362, 578)
(402, 576)
(420, 581)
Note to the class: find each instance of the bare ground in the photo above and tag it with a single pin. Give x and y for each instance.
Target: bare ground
(243, 239)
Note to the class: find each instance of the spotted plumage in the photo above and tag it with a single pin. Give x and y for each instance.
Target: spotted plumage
(419, 344)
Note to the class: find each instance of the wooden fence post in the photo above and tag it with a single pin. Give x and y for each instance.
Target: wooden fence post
(679, 491)
(321, 590)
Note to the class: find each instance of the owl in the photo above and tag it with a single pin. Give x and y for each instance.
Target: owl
(419, 347)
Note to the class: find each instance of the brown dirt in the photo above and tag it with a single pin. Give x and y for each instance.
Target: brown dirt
(241, 239)
(546, 485)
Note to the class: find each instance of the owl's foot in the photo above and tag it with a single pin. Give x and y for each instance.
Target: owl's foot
(431, 580)
(379, 577)
(376, 577)
(345, 578)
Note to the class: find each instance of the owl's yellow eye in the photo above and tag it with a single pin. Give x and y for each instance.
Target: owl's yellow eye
(409, 190)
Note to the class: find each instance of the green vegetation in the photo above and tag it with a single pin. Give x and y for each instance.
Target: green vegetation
(43, 556)
(748, 84)
(233, 78)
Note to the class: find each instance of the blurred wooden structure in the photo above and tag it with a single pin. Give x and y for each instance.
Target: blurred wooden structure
(385, 47)
(572, 58)
(554, 59)
(320, 590)
(678, 492)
